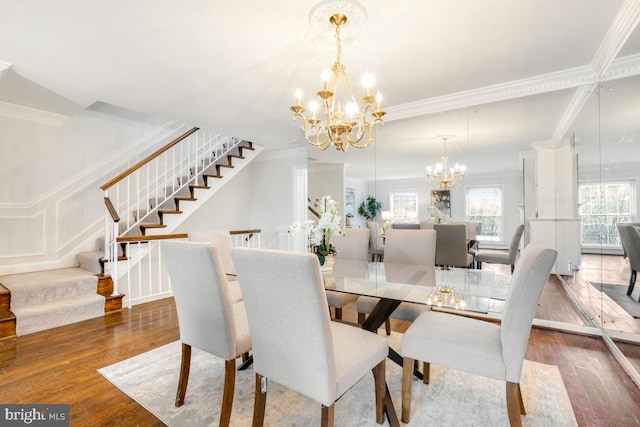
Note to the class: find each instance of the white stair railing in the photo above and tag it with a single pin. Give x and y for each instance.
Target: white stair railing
(137, 194)
(146, 278)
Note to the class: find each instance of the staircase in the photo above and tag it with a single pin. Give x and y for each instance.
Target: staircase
(142, 208)
(44, 300)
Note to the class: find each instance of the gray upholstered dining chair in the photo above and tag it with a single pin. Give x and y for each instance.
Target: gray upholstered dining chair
(451, 245)
(630, 238)
(618, 225)
(352, 245)
(501, 257)
(477, 346)
(409, 247)
(222, 240)
(207, 317)
(295, 343)
(376, 248)
(408, 226)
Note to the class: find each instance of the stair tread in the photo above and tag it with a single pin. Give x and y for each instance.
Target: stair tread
(205, 187)
(153, 225)
(185, 198)
(169, 211)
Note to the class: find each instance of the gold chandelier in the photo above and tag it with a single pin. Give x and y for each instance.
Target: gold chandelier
(343, 124)
(444, 176)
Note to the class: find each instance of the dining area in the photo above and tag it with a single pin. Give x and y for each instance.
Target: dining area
(282, 327)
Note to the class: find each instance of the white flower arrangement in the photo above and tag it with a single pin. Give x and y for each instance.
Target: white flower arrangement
(319, 234)
(438, 216)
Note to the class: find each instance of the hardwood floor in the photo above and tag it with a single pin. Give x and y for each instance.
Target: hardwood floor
(59, 366)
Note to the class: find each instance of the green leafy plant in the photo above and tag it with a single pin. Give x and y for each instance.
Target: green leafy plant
(370, 208)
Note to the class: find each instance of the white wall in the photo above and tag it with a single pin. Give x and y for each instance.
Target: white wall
(261, 196)
(51, 168)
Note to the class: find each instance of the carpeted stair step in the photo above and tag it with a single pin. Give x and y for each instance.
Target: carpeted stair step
(91, 261)
(46, 299)
(34, 318)
(43, 286)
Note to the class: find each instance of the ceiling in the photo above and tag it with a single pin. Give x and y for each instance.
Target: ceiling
(497, 74)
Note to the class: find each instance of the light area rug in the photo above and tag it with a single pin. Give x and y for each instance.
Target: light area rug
(453, 398)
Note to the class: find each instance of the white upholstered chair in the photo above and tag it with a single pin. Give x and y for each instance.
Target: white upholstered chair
(222, 240)
(501, 257)
(295, 343)
(375, 246)
(409, 247)
(352, 245)
(451, 245)
(480, 347)
(207, 318)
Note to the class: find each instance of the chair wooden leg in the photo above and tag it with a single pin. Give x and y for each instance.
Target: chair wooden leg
(245, 357)
(381, 390)
(513, 404)
(632, 282)
(227, 395)
(328, 418)
(425, 372)
(361, 318)
(387, 326)
(260, 401)
(338, 315)
(407, 378)
(478, 265)
(522, 410)
(185, 365)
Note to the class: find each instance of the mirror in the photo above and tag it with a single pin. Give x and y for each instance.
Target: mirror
(492, 140)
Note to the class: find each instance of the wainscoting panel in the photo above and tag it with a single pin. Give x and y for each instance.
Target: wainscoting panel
(23, 235)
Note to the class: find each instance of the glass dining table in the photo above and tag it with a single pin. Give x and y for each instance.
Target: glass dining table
(465, 290)
(479, 291)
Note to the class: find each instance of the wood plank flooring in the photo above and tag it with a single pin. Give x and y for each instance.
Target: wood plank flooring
(59, 365)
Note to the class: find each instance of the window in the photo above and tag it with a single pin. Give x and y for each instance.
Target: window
(404, 205)
(602, 206)
(484, 205)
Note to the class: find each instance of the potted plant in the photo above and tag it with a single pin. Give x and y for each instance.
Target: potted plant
(370, 208)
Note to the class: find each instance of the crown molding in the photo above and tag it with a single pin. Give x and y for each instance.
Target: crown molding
(623, 25)
(573, 109)
(20, 112)
(565, 79)
(543, 83)
(626, 66)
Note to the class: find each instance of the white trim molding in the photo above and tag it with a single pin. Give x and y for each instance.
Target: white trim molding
(550, 82)
(20, 112)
